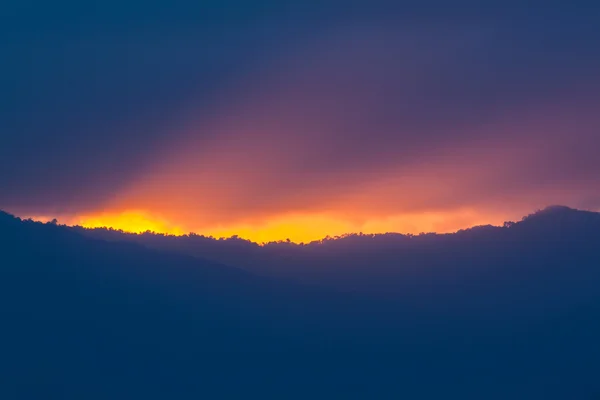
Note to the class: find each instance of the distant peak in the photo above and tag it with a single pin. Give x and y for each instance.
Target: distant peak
(557, 208)
(552, 210)
(555, 213)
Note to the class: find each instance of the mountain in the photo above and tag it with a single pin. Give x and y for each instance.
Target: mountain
(554, 247)
(85, 318)
(490, 312)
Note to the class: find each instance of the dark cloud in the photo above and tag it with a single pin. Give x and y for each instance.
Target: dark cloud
(281, 106)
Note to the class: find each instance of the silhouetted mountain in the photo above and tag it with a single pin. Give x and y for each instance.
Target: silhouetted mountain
(539, 250)
(92, 319)
(489, 312)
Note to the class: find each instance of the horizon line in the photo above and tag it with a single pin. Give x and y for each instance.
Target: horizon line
(49, 220)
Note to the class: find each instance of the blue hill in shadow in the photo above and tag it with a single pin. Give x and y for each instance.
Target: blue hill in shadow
(489, 312)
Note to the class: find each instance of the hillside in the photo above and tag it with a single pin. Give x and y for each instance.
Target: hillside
(552, 246)
(493, 313)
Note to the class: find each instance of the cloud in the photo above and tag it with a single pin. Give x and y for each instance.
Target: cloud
(357, 127)
(355, 119)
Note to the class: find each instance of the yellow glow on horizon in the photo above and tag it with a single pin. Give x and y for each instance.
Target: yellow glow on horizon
(129, 221)
(310, 227)
(297, 228)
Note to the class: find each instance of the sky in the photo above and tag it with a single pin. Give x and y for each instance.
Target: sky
(275, 120)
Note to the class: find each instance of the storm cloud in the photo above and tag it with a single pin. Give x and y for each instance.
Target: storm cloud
(229, 114)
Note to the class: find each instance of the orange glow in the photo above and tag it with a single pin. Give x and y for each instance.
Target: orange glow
(274, 168)
(298, 228)
(309, 227)
(129, 221)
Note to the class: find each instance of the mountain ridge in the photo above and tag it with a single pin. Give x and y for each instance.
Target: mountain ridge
(551, 210)
(385, 260)
(492, 313)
